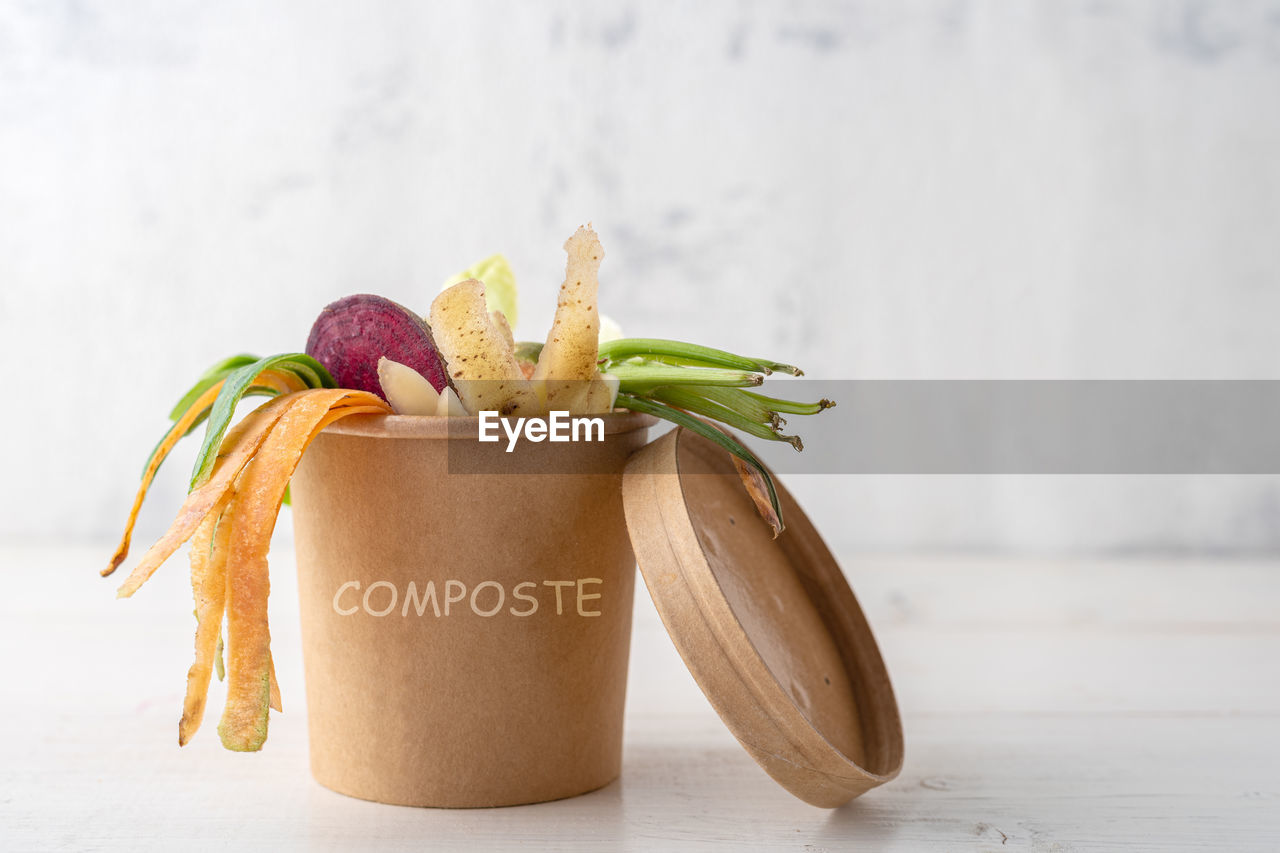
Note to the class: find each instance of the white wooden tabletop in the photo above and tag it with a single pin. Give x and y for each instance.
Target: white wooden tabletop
(1048, 705)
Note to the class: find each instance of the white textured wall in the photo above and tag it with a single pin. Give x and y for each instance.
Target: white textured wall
(946, 189)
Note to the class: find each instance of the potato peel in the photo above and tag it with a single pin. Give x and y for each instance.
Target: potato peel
(503, 327)
(479, 355)
(601, 392)
(567, 363)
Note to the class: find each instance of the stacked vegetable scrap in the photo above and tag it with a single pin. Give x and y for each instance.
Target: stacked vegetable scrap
(369, 355)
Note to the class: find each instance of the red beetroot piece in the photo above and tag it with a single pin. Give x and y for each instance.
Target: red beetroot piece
(350, 335)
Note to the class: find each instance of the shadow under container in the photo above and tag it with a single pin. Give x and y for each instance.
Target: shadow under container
(466, 612)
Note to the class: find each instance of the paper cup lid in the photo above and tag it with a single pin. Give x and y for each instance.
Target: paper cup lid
(769, 627)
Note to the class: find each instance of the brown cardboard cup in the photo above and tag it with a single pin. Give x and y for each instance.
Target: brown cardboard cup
(514, 692)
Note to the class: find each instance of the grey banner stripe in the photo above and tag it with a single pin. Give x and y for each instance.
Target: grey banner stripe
(1036, 427)
(1019, 427)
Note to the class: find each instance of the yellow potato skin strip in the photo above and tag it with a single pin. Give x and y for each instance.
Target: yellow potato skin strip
(599, 397)
(479, 354)
(244, 440)
(567, 363)
(208, 586)
(259, 491)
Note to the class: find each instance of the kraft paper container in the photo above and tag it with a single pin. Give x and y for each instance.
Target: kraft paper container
(768, 627)
(489, 705)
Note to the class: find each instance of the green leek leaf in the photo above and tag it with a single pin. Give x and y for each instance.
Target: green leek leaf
(237, 384)
(211, 376)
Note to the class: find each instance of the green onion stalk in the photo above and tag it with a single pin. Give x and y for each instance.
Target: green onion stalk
(692, 385)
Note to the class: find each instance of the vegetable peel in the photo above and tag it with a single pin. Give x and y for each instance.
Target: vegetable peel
(245, 441)
(567, 362)
(171, 438)
(208, 584)
(260, 487)
(479, 356)
(351, 334)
